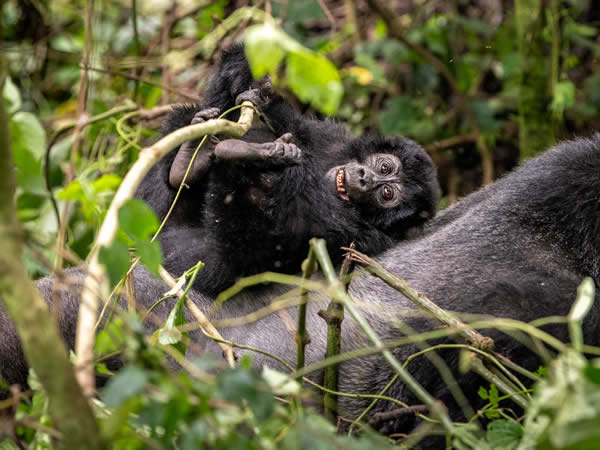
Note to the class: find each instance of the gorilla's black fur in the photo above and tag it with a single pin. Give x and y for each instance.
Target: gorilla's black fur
(246, 218)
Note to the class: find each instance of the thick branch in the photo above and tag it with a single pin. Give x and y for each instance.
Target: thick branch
(96, 281)
(43, 347)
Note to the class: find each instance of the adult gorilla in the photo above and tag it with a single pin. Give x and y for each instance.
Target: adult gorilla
(516, 249)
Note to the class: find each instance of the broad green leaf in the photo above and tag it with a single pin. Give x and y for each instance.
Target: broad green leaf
(28, 145)
(314, 80)
(27, 133)
(265, 48)
(111, 337)
(504, 434)
(107, 182)
(127, 383)
(137, 219)
(11, 96)
(169, 335)
(150, 254)
(116, 261)
(239, 385)
(592, 373)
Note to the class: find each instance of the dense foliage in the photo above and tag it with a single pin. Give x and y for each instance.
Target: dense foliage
(87, 89)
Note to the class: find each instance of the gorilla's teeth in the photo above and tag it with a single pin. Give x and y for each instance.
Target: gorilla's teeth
(339, 184)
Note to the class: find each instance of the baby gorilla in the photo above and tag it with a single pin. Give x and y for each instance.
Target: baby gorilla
(254, 203)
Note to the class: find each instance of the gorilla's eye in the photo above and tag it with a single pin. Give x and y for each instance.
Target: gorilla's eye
(388, 193)
(385, 169)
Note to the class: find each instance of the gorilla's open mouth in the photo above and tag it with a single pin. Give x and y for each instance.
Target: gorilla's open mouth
(340, 183)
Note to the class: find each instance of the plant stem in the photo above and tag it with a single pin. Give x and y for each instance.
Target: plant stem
(302, 337)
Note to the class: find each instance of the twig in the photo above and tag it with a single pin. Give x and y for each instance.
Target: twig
(396, 413)
(451, 142)
(476, 339)
(329, 16)
(96, 280)
(334, 316)
(148, 81)
(337, 291)
(302, 337)
(205, 325)
(136, 42)
(167, 25)
(501, 382)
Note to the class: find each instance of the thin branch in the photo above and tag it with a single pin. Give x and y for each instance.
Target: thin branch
(334, 316)
(452, 142)
(397, 413)
(420, 300)
(96, 280)
(302, 337)
(205, 325)
(148, 81)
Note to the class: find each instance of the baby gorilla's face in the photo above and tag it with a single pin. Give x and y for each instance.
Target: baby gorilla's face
(375, 183)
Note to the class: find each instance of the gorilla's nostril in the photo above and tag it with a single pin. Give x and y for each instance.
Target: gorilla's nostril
(361, 174)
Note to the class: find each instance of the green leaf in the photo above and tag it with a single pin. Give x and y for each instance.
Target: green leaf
(279, 382)
(107, 182)
(314, 80)
(30, 134)
(311, 77)
(585, 299)
(504, 434)
(28, 145)
(116, 261)
(137, 219)
(111, 337)
(265, 47)
(11, 96)
(169, 335)
(484, 115)
(483, 393)
(127, 383)
(150, 254)
(173, 291)
(563, 96)
(592, 373)
(238, 385)
(72, 191)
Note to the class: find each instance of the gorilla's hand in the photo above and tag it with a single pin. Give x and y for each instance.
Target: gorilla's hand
(258, 96)
(203, 160)
(279, 152)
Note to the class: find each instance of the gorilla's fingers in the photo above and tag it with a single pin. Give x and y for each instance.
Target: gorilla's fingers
(204, 115)
(287, 138)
